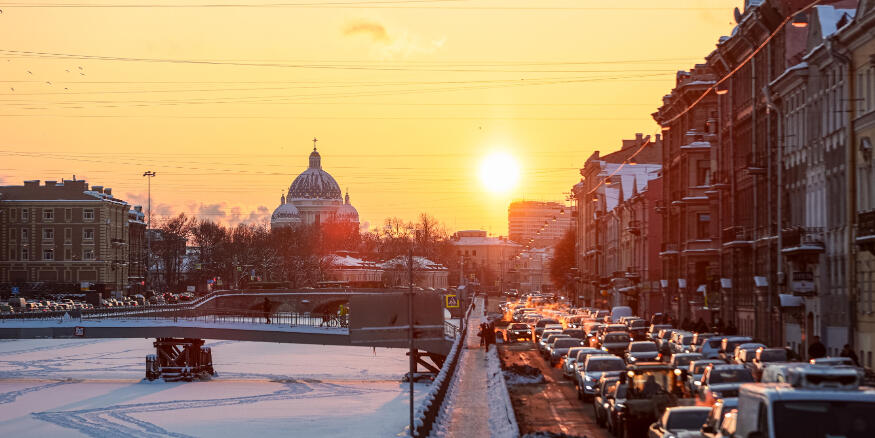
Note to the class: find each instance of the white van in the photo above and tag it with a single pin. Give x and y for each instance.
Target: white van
(619, 312)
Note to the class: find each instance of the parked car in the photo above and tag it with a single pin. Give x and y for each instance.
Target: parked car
(679, 419)
(641, 351)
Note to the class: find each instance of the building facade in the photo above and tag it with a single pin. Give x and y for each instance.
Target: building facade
(63, 237)
(538, 224)
(485, 260)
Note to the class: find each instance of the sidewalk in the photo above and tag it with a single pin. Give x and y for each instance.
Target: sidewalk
(470, 408)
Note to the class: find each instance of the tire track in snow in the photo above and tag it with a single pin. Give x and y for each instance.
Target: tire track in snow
(117, 420)
(9, 397)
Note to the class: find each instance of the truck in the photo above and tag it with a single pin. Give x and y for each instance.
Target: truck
(652, 387)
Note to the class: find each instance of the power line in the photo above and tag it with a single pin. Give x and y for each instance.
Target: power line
(388, 4)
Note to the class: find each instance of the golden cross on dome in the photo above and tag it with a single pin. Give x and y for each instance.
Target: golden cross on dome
(314, 143)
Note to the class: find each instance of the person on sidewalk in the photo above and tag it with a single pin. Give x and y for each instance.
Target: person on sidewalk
(482, 334)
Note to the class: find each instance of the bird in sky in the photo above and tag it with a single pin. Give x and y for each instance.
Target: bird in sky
(29, 72)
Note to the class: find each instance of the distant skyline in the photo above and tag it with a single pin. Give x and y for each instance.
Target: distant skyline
(406, 97)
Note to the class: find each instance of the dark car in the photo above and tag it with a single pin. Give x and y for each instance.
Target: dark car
(615, 342)
(559, 348)
(641, 351)
(721, 381)
(518, 332)
(678, 419)
(600, 403)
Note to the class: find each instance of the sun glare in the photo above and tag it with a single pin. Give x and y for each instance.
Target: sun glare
(499, 172)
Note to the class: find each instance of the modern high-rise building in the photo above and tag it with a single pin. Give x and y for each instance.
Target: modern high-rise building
(538, 224)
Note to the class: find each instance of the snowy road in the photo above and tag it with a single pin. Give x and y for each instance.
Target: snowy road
(94, 388)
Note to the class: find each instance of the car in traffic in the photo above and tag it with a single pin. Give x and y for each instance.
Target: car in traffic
(728, 344)
(681, 361)
(695, 371)
(541, 325)
(568, 366)
(830, 360)
(593, 369)
(723, 380)
(600, 405)
(560, 347)
(615, 343)
(680, 342)
(679, 419)
(641, 351)
(518, 332)
(548, 337)
(711, 428)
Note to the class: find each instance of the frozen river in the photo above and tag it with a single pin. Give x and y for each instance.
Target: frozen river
(95, 387)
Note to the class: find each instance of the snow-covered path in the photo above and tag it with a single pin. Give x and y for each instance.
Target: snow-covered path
(94, 388)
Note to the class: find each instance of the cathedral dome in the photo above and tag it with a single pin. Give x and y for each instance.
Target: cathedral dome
(285, 214)
(314, 183)
(346, 212)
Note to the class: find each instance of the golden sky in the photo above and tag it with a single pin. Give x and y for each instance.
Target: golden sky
(406, 97)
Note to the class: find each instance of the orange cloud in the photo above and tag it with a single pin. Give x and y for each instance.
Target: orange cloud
(375, 30)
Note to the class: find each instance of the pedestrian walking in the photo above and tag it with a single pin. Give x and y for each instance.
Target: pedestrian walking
(482, 334)
(266, 307)
(848, 352)
(816, 349)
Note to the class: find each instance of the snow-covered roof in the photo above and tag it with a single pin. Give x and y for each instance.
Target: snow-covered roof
(347, 261)
(829, 17)
(482, 241)
(419, 263)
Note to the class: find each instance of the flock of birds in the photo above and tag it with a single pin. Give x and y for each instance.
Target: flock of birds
(81, 72)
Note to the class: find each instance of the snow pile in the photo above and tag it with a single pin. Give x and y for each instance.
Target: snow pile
(502, 420)
(523, 375)
(440, 389)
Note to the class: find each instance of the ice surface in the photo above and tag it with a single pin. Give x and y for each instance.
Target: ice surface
(94, 387)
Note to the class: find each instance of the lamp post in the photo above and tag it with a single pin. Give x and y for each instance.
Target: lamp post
(149, 174)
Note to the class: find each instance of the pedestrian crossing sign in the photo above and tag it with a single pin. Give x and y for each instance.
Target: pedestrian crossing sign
(452, 301)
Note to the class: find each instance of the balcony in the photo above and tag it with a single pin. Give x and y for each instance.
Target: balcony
(700, 247)
(737, 237)
(668, 250)
(634, 227)
(866, 231)
(802, 242)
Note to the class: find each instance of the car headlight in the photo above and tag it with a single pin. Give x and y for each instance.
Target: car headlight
(716, 394)
(697, 383)
(632, 359)
(588, 378)
(606, 405)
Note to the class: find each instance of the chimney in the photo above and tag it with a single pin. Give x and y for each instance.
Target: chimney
(51, 183)
(108, 191)
(658, 138)
(98, 189)
(638, 138)
(138, 208)
(32, 183)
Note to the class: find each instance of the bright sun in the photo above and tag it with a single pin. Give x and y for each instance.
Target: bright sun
(499, 172)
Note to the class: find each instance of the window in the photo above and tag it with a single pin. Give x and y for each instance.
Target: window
(68, 235)
(48, 254)
(88, 254)
(25, 215)
(703, 173)
(48, 233)
(88, 234)
(24, 254)
(68, 253)
(24, 234)
(48, 214)
(88, 214)
(474, 252)
(702, 226)
(13, 214)
(68, 214)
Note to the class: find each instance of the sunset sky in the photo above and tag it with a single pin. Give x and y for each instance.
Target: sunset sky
(406, 97)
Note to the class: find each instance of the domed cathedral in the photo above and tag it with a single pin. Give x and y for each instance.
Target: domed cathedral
(314, 198)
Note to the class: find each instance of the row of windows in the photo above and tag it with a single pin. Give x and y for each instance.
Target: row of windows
(49, 254)
(49, 234)
(48, 214)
